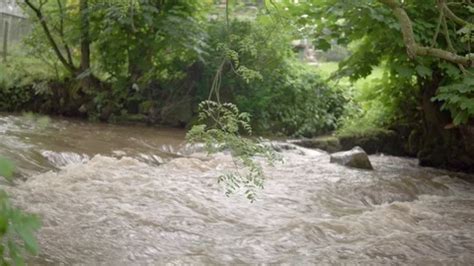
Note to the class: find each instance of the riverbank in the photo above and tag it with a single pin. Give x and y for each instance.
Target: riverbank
(396, 142)
(382, 141)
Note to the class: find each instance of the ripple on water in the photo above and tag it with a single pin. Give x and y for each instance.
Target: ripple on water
(127, 206)
(125, 211)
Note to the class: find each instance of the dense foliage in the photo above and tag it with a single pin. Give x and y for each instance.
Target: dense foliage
(458, 98)
(374, 33)
(167, 65)
(264, 78)
(424, 49)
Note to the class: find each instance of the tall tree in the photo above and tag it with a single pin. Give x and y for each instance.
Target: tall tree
(37, 8)
(85, 36)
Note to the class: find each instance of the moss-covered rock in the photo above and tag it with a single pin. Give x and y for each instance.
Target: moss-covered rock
(376, 141)
(327, 143)
(379, 141)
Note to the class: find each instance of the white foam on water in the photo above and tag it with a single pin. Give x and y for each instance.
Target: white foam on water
(124, 211)
(61, 159)
(144, 202)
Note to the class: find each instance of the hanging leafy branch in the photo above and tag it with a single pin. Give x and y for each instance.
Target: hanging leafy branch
(219, 129)
(221, 124)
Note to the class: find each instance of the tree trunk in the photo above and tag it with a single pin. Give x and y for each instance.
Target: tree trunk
(442, 144)
(87, 80)
(85, 38)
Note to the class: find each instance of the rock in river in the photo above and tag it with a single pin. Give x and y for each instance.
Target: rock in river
(356, 158)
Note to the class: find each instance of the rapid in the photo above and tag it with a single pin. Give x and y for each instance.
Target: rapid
(135, 195)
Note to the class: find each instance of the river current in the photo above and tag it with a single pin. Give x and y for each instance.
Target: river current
(133, 195)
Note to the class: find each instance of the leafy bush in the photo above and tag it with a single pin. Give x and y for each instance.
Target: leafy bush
(369, 109)
(284, 96)
(24, 67)
(15, 225)
(23, 77)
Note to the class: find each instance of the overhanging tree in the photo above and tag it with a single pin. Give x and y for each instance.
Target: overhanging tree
(445, 13)
(424, 46)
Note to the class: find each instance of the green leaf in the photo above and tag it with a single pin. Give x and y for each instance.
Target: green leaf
(423, 71)
(460, 118)
(404, 72)
(451, 70)
(6, 169)
(323, 44)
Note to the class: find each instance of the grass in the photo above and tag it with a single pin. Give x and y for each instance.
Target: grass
(22, 68)
(327, 69)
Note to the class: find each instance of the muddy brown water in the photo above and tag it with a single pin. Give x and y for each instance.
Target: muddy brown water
(113, 195)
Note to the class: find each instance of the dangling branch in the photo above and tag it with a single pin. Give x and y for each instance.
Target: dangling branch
(413, 48)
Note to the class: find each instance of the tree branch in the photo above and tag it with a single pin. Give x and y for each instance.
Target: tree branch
(39, 14)
(450, 14)
(413, 48)
(446, 33)
(438, 27)
(61, 32)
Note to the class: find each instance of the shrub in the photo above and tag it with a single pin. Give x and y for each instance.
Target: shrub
(285, 96)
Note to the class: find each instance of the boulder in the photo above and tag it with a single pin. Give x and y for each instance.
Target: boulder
(356, 158)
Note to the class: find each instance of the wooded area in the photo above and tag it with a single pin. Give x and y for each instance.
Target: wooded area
(392, 76)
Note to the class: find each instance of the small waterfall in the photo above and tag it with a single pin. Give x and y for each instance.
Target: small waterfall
(61, 159)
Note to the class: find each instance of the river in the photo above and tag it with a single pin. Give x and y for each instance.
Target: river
(119, 195)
